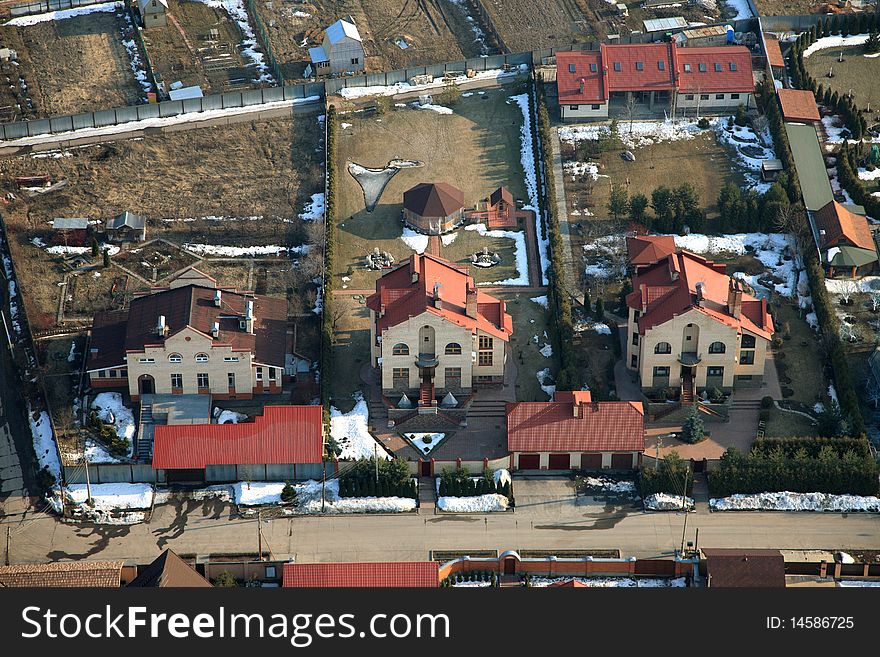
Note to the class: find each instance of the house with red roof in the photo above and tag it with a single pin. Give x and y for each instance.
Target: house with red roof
(285, 443)
(385, 574)
(644, 250)
(656, 76)
(573, 432)
(432, 332)
(193, 338)
(693, 327)
(844, 240)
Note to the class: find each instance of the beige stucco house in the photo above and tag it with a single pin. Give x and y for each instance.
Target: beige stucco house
(433, 332)
(691, 326)
(191, 339)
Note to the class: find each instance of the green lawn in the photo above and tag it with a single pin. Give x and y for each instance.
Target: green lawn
(784, 425)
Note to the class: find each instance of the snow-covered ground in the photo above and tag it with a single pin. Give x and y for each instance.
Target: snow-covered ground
(740, 137)
(44, 442)
(437, 83)
(225, 416)
(474, 504)
(189, 117)
(308, 498)
(62, 14)
(864, 174)
(857, 583)
(425, 442)
(134, 57)
(599, 327)
(543, 379)
(95, 453)
(242, 251)
(741, 7)
(73, 250)
(314, 209)
(520, 252)
(112, 410)
(643, 133)
(610, 485)
(608, 582)
(440, 109)
(527, 157)
(787, 501)
(448, 238)
(835, 42)
(112, 504)
(541, 301)
(249, 47)
(667, 502)
(546, 351)
(351, 432)
(416, 241)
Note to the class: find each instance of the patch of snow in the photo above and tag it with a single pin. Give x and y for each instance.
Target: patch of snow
(474, 504)
(599, 327)
(614, 582)
(527, 157)
(44, 442)
(501, 477)
(546, 351)
(440, 109)
(520, 253)
(643, 133)
(416, 241)
(448, 238)
(308, 498)
(741, 7)
(835, 41)
(425, 442)
(541, 301)
(544, 376)
(351, 432)
(610, 485)
(314, 209)
(76, 250)
(239, 251)
(225, 416)
(667, 502)
(788, 501)
(864, 174)
(249, 46)
(109, 405)
(104, 7)
(351, 93)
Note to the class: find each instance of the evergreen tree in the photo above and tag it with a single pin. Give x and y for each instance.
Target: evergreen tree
(826, 27)
(288, 494)
(599, 312)
(96, 249)
(587, 304)
(618, 204)
(444, 488)
(872, 45)
(662, 204)
(741, 117)
(692, 429)
(106, 258)
(638, 204)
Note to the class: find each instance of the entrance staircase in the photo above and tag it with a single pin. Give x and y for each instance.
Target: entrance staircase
(687, 387)
(145, 434)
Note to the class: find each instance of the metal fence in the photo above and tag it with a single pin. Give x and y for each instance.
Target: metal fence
(122, 115)
(134, 17)
(43, 6)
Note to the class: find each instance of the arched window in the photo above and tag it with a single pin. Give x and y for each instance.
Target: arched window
(175, 358)
(453, 349)
(748, 341)
(202, 358)
(717, 348)
(400, 349)
(663, 348)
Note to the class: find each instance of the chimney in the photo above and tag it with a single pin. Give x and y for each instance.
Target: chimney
(734, 298)
(215, 330)
(218, 298)
(161, 327)
(701, 300)
(438, 299)
(249, 317)
(643, 292)
(413, 270)
(470, 308)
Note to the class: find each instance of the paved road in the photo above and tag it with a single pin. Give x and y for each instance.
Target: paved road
(555, 521)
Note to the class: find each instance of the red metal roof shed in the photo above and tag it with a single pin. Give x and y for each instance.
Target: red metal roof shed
(410, 574)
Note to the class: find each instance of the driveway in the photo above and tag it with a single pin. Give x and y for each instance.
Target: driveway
(544, 496)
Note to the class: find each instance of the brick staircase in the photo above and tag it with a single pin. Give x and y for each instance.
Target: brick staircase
(687, 388)
(488, 408)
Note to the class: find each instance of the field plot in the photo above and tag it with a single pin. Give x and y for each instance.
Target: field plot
(476, 148)
(351, 348)
(206, 45)
(534, 347)
(855, 73)
(246, 196)
(785, 7)
(77, 64)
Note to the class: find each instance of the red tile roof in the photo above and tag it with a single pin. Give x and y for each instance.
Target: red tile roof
(728, 69)
(774, 52)
(843, 227)
(597, 427)
(735, 568)
(193, 306)
(590, 76)
(798, 105)
(282, 435)
(669, 288)
(398, 297)
(419, 574)
(64, 574)
(648, 249)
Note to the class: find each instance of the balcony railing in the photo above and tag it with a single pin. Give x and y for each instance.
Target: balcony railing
(689, 358)
(427, 360)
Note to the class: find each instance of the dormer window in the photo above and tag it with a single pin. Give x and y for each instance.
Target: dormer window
(702, 68)
(717, 67)
(617, 66)
(732, 66)
(687, 68)
(593, 68)
(572, 68)
(640, 66)
(661, 65)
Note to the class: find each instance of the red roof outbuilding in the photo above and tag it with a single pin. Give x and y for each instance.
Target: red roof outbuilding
(574, 423)
(798, 105)
(397, 574)
(282, 435)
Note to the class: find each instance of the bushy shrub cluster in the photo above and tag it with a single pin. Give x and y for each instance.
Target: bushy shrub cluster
(329, 259)
(672, 476)
(369, 478)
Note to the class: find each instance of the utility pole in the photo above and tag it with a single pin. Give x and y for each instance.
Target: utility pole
(260, 533)
(657, 455)
(88, 482)
(376, 460)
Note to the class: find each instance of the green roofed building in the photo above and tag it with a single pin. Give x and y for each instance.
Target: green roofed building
(845, 242)
(810, 165)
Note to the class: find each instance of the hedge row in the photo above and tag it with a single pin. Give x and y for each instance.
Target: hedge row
(847, 165)
(667, 478)
(828, 472)
(569, 376)
(813, 446)
(846, 393)
(329, 260)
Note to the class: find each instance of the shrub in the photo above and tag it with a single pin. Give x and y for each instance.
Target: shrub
(703, 123)
(692, 430)
(672, 475)
(224, 580)
(288, 494)
(766, 401)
